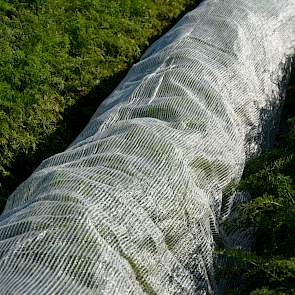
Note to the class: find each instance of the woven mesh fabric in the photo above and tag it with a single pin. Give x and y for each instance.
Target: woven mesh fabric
(133, 205)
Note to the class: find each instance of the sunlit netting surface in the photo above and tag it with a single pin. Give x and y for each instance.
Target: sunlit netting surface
(132, 206)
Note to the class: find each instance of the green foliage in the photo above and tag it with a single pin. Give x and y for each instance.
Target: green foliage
(259, 274)
(270, 267)
(54, 52)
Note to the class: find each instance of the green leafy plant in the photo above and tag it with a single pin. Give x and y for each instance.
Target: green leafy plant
(269, 268)
(55, 54)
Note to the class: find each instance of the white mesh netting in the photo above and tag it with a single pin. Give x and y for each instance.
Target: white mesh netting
(133, 205)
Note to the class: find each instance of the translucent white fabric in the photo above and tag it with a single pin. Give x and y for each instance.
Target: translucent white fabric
(133, 205)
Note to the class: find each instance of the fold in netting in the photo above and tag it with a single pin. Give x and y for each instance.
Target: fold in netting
(133, 205)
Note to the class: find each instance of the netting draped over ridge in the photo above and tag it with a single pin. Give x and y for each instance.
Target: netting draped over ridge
(132, 206)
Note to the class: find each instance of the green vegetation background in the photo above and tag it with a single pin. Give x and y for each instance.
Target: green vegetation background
(269, 268)
(58, 60)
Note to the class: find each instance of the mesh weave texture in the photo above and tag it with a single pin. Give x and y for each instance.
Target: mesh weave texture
(133, 205)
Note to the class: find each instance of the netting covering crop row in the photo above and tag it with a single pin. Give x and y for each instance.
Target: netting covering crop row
(133, 205)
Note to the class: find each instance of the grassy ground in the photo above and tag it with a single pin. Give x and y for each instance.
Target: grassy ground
(59, 59)
(269, 268)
